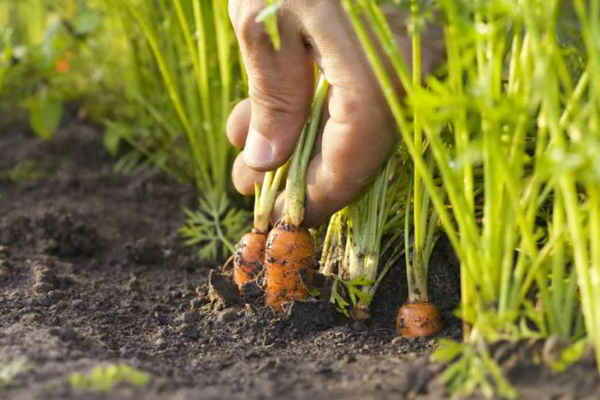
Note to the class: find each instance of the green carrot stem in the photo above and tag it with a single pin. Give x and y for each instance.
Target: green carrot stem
(295, 190)
(367, 218)
(266, 196)
(333, 243)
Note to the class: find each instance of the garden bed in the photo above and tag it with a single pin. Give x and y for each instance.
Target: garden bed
(92, 271)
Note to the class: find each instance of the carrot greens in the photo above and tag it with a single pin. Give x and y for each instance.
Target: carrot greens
(504, 130)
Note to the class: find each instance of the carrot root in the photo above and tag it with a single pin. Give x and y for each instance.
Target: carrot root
(289, 257)
(249, 258)
(418, 320)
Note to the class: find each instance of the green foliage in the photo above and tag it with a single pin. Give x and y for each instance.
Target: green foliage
(45, 113)
(354, 249)
(295, 186)
(359, 290)
(512, 123)
(569, 355)
(332, 252)
(339, 297)
(162, 76)
(6, 55)
(424, 221)
(215, 233)
(104, 378)
(472, 368)
(51, 53)
(183, 70)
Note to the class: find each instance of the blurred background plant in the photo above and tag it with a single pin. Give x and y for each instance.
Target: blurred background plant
(50, 56)
(161, 76)
(184, 78)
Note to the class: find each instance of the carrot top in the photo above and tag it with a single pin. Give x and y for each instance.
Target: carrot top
(265, 197)
(295, 189)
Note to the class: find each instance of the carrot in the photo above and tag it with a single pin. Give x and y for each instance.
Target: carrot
(290, 251)
(418, 320)
(418, 317)
(249, 256)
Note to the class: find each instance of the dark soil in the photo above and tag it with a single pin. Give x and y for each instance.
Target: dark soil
(92, 272)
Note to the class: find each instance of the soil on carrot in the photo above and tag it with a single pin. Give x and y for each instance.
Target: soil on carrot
(92, 272)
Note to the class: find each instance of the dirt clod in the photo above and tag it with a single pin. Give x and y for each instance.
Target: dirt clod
(311, 316)
(222, 292)
(189, 331)
(227, 315)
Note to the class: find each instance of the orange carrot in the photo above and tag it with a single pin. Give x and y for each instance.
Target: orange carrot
(418, 317)
(418, 320)
(290, 251)
(288, 257)
(249, 257)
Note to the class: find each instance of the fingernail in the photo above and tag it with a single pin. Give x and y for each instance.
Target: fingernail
(258, 152)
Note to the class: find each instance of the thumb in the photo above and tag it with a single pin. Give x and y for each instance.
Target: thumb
(280, 86)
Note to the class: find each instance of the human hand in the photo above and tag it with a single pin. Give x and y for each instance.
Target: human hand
(359, 133)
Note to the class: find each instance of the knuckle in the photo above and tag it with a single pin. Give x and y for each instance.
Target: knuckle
(350, 165)
(345, 178)
(233, 134)
(275, 102)
(360, 111)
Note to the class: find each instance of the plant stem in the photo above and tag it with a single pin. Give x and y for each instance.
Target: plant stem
(333, 244)
(417, 273)
(295, 190)
(366, 224)
(265, 198)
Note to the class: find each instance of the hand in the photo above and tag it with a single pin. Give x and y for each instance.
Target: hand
(359, 133)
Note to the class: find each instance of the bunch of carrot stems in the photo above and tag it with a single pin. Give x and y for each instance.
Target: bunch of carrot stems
(354, 246)
(250, 250)
(286, 251)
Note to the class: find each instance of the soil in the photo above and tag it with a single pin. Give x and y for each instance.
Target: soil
(92, 272)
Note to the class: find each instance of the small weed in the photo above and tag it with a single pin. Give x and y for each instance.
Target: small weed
(23, 171)
(104, 378)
